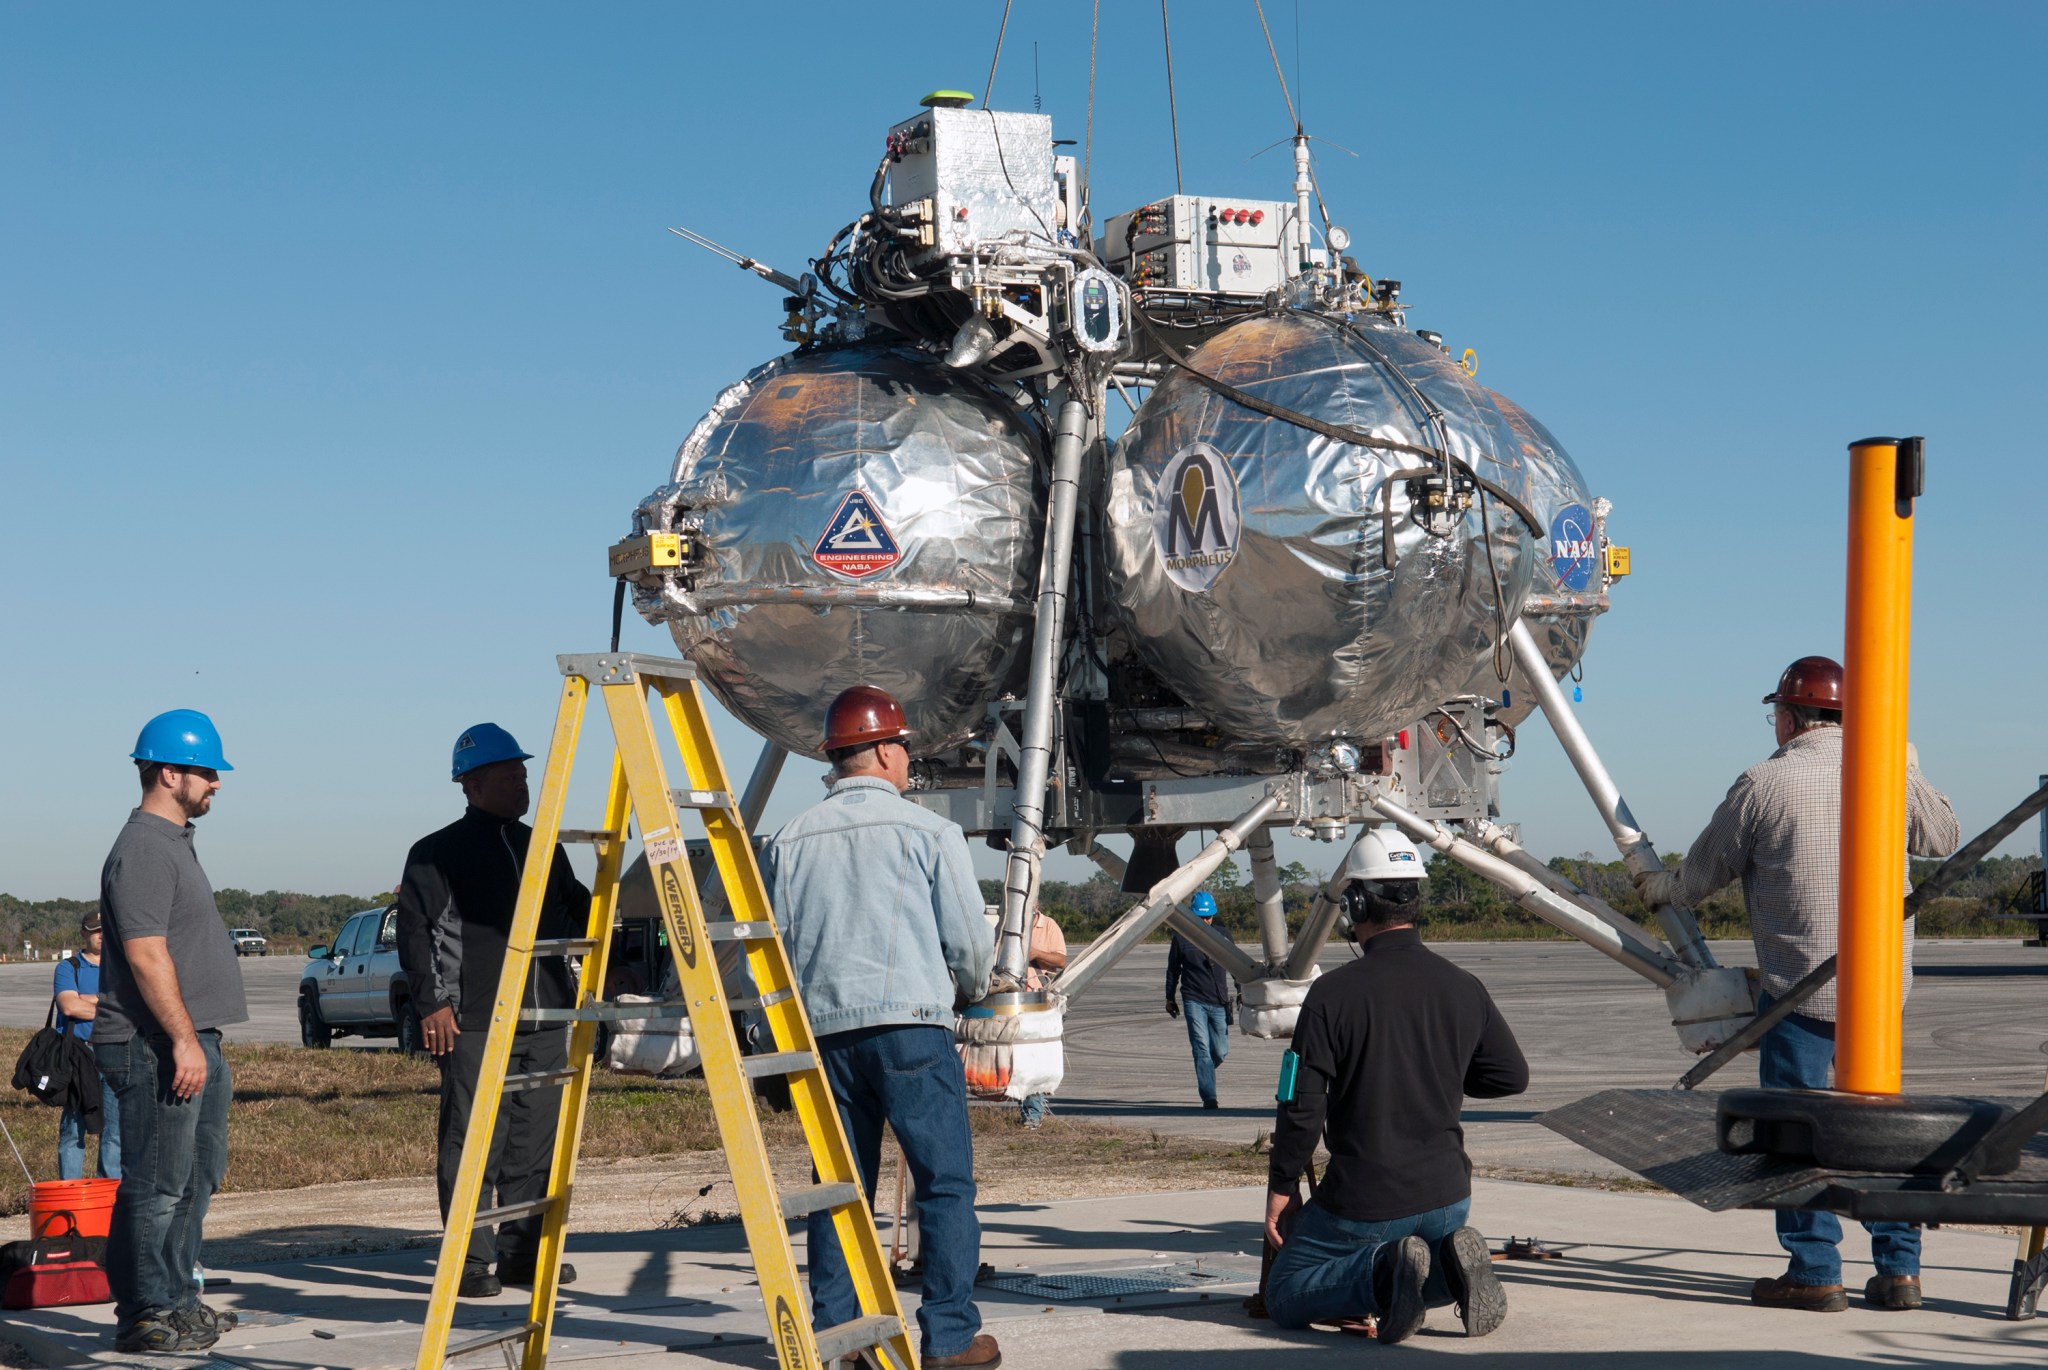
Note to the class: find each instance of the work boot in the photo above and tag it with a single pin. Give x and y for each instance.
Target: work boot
(1468, 1270)
(982, 1354)
(519, 1274)
(1780, 1292)
(158, 1330)
(1405, 1273)
(478, 1283)
(205, 1318)
(1892, 1291)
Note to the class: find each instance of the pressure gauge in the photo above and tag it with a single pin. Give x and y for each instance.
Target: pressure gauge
(1337, 237)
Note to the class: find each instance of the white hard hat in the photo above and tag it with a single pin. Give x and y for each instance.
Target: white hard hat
(1383, 853)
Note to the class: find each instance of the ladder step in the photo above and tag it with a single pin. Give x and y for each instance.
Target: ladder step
(778, 1063)
(702, 799)
(564, 946)
(596, 837)
(538, 1079)
(738, 932)
(490, 1339)
(799, 1203)
(491, 1217)
(858, 1335)
(613, 1013)
(760, 1000)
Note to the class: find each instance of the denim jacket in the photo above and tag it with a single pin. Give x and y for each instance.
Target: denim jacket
(879, 908)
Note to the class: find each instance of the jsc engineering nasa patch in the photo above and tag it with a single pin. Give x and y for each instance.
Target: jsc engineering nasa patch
(1196, 516)
(1571, 547)
(856, 542)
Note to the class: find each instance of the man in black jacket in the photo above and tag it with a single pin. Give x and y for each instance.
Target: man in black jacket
(1384, 1052)
(454, 913)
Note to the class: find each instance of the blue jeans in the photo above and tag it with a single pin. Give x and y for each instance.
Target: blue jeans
(910, 1078)
(71, 1135)
(1799, 1053)
(173, 1155)
(1325, 1268)
(1031, 1109)
(1209, 1035)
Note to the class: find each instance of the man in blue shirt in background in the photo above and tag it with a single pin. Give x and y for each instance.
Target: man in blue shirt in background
(78, 999)
(1205, 986)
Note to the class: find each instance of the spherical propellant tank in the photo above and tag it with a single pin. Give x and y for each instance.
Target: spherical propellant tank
(1247, 556)
(856, 516)
(1567, 589)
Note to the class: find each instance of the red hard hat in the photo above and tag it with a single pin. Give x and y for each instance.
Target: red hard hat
(1815, 681)
(863, 715)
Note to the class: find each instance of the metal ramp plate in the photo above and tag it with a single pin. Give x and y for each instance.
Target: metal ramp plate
(1668, 1137)
(1116, 1282)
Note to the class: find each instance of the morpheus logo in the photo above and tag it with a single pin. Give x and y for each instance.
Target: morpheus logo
(1196, 516)
(1573, 547)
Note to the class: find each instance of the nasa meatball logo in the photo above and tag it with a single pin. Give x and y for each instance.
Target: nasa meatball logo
(1572, 547)
(856, 542)
(1196, 516)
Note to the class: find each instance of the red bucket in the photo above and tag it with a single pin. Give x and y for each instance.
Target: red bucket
(89, 1202)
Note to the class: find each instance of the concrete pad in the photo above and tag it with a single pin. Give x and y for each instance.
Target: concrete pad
(1645, 1281)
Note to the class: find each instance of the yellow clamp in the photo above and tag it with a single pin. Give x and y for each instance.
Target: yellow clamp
(1470, 361)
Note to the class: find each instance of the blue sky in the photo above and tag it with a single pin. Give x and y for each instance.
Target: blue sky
(337, 342)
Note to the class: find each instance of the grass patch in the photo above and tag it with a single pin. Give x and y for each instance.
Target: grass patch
(305, 1117)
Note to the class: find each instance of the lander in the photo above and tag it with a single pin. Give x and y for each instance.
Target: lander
(1314, 582)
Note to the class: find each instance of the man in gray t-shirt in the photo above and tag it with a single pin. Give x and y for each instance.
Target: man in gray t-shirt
(169, 983)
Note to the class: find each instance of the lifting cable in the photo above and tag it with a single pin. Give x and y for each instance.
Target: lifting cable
(1292, 117)
(1172, 115)
(1087, 223)
(1357, 437)
(997, 56)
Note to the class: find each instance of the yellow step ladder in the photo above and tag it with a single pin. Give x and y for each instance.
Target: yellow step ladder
(638, 784)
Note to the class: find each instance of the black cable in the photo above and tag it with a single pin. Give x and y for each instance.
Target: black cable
(618, 609)
(1172, 114)
(1357, 437)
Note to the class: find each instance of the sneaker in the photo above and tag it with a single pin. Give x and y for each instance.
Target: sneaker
(1468, 1270)
(981, 1354)
(1892, 1291)
(1402, 1311)
(1781, 1292)
(158, 1330)
(1210, 1103)
(478, 1283)
(519, 1274)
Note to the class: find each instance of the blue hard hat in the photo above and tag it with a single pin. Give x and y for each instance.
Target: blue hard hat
(482, 745)
(182, 737)
(1203, 905)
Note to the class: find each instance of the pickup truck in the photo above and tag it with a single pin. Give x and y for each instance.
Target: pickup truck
(249, 942)
(355, 985)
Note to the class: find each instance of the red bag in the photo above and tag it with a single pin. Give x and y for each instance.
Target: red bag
(53, 1271)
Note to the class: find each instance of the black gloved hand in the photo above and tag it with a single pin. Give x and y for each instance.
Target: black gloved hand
(1229, 1016)
(1172, 1009)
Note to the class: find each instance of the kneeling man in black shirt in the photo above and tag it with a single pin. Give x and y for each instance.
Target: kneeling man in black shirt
(1384, 1053)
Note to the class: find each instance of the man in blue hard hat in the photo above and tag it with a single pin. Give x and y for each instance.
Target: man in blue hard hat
(455, 907)
(1208, 993)
(169, 982)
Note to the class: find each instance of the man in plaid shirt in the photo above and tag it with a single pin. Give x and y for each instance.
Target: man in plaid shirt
(1779, 832)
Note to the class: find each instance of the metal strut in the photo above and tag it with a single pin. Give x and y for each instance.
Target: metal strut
(1636, 852)
(1034, 756)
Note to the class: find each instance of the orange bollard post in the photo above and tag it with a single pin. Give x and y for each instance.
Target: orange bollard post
(1884, 480)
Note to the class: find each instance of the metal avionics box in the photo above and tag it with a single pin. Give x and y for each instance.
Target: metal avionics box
(974, 176)
(1206, 244)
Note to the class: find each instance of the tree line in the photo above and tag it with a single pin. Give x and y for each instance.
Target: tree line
(1456, 906)
(1460, 906)
(291, 921)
